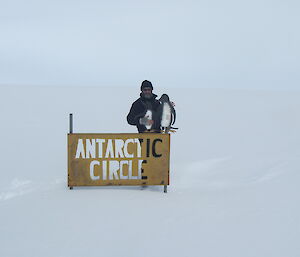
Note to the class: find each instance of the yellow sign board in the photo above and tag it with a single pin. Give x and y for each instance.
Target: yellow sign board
(118, 159)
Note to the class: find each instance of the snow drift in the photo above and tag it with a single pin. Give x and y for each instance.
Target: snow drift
(234, 176)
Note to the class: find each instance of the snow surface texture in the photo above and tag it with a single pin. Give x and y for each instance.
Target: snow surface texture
(234, 177)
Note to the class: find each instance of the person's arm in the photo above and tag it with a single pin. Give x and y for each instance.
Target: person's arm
(131, 116)
(134, 115)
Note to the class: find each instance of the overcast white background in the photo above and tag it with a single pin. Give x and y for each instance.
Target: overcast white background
(210, 44)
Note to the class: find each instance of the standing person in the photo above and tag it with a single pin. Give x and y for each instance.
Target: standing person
(143, 108)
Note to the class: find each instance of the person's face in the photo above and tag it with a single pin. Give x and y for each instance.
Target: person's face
(147, 92)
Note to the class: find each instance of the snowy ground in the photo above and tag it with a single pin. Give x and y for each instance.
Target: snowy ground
(234, 177)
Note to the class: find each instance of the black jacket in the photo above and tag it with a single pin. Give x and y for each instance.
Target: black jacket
(139, 109)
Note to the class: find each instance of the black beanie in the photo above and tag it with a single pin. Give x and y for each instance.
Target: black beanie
(146, 83)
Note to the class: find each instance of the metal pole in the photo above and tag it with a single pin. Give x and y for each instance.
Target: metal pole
(71, 123)
(71, 129)
(165, 189)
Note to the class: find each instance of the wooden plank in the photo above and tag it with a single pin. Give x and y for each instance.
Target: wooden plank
(118, 159)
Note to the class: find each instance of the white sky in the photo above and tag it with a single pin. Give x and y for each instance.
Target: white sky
(210, 43)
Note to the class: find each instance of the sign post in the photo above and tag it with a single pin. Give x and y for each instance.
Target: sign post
(118, 159)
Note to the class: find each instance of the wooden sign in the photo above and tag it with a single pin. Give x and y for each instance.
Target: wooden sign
(118, 159)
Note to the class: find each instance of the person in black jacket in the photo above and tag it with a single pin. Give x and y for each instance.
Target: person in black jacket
(139, 108)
